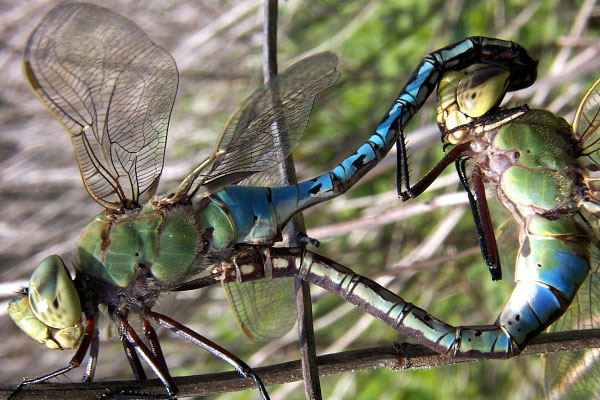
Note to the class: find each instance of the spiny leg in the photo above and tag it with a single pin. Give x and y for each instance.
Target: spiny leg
(90, 368)
(459, 154)
(152, 360)
(482, 124)
(134, 361)
(435, 172)
(478, 203)
(211, 347)
(153, 340)
(481, 216)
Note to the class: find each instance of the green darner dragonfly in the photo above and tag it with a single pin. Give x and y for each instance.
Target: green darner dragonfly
(544, 171)
(113, 89)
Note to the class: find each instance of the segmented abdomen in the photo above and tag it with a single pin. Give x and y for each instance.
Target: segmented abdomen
(539, 185)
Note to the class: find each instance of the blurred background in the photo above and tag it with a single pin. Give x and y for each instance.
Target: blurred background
(425, 250)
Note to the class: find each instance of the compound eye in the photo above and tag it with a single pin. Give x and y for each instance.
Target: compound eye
(481, 90)
(53, 297)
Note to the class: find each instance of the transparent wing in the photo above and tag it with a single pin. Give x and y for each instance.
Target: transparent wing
(265, 128)
(264, 309)
(576, 374)
(587, 121)
(113, 90)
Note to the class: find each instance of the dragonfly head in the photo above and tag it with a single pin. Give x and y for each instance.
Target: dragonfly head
(49, 310)
(464, 96)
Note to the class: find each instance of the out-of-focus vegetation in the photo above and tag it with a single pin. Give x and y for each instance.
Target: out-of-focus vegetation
(217, 46)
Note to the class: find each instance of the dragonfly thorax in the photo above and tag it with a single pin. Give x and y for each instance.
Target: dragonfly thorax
(533, 164)
(156, 244)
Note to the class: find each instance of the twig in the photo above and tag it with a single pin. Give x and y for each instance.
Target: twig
(393, 357)
(287, 172)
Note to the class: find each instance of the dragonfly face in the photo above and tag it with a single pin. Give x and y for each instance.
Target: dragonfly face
(50, 310)
(464, 96)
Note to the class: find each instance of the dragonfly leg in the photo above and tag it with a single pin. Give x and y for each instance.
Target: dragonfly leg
(89, 333)
(153, 340)
(477, 201)
(402, 170)
(211, 347)
(459, 154)
(129, 335)
(484, 123)
(481, 216)
(90, 368)
(435, 172)
(134, 361)
(304, 240)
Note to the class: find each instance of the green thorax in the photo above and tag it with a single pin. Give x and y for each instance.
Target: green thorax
(545, 141)
(166, 242)
(535, 159)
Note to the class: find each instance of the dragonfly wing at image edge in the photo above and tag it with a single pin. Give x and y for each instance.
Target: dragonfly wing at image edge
(576, 375)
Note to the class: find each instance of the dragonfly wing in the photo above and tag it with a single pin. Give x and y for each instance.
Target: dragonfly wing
(586, 123)
(264, 309)
(576, 374)
(259, 135)
(113, 90)
(268, 125)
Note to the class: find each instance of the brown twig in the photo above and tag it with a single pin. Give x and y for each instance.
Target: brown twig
(287, 172)
(394, 357)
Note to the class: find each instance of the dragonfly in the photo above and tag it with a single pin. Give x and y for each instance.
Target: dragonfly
(112, 89)
(544, 171)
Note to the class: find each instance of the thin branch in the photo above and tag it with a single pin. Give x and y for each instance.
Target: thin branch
(393, 357)
(287, 173)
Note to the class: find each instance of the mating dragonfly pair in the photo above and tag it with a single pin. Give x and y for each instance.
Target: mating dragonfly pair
(113, 91)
